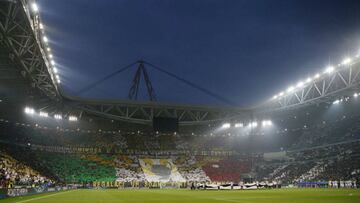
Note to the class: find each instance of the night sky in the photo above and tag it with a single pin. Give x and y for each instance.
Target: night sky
(245, 51)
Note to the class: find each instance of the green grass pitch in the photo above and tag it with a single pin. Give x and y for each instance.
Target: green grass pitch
(177, 196)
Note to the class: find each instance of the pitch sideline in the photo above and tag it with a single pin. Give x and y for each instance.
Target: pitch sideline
(42, 197)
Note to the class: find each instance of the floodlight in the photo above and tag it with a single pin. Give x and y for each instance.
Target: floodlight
(329, 69)
(43, 114)
(269, 122)
(275, 97)
(34, 7)
(239, 125)
(290, 89)
(356, 95)
(346, 61)
(50, 56)
(57, 77)
(266, 123)
(45, 39)
(226, 125)
(308, 80)
(48, 49)
(73, 118)
(336, 101)
(58, 81)
(57, 116)
(52, 62)
(281, 93)
(41, 26)
(29, 110)
(55, 70)
(300, 84)
(253, 124)
(317, 75)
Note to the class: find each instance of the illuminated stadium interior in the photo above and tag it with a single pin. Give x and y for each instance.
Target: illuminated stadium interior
(60, 146)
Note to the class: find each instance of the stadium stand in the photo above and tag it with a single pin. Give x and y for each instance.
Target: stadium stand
(13, 172)
(311, 149)
(74, 168)
(191, 170)
(225, 170)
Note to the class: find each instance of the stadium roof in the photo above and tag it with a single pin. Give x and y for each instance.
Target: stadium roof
(27, 44)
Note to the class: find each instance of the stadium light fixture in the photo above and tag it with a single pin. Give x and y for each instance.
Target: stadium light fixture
(55, 70)
(45, 39)
(226, 125)
(281, 94)
(336, 101)
(269, 123)
(48, 49)
(356, 95)
(290, 89)
(41, 26)
(57, 77)
(73, 118)
(308, 80)
(50, 56)
(317, 75)
(253, 124)
(275, 97)
(346, 61)
(34, 7)
(52, 62)
(300, 84)
(43, 114)
(29, 110)
(266, 123)
(239, 125)
(58, 117)
(58, 81)
(329, 69)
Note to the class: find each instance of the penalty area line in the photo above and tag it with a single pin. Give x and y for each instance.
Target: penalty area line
(43, 197)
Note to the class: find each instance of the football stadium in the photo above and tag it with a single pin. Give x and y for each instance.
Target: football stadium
(184, 129)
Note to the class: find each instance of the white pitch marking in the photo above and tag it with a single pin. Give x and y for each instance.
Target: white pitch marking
(42, 197)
